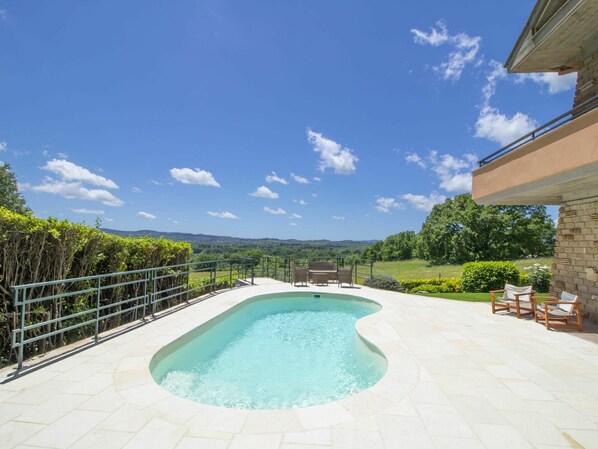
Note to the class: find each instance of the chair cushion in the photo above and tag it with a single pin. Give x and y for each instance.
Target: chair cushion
(570, 298)
(512, 290)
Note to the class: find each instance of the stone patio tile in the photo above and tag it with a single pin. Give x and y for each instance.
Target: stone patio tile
(203, 443)
(81, 372)
(272, 421)
(108, 400)
(217, 419)
(535, 428)
(303, 446)
(9, 412)
(323, 415)
(40, 393)
(13, 433)
(126, 419)
(93, 384)
(53, 409)
(588, 439)
(103, 439)
(67, 430)
(495, 436)
(356, 439)
(157, 433)
(428, 393)
(457, 443)
(310, 437)
(475, 409)
(443, 421)
(402, 431)
(263, 441)
(528, 390)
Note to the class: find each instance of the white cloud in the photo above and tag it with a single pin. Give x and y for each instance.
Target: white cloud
(553, 81)
(332, 155)
(3, 146)
(414, 158)
(292, 223)
(136, 190)
(74, 190)
(223, 214)
(264, 192)
(275, 178)
(498, 127)
(146, 215)
(89, 211)
(454, 173)
(278, 211)
(338, 217)
(73, 172)
(172, 220)
(62, 155)
(465, 49)
(422, 202)
(295, 216)
(300, 202)
(194, 176)
(156, 183)
(317, 179)
(299, 179)
(108, 220)
(384, 205)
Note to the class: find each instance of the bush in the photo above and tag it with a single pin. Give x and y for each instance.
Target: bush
(446, 285)
(429, 288)
(539, 277)
(383, 282)
(486, 276)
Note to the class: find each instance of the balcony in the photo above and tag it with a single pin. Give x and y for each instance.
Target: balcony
(555, 163)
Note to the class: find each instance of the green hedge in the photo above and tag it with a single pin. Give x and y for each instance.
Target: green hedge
(440, 285)
(384, 282)
(486, 276)
(37, 250)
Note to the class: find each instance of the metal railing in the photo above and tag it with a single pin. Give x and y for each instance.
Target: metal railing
(281, 268)
(53, 313)
(555, 123)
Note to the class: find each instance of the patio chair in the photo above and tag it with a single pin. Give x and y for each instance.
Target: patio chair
(515, 298)
(299, 275)
(556, 312)
(345, 275)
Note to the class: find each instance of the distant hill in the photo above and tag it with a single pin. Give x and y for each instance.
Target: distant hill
(205, 238)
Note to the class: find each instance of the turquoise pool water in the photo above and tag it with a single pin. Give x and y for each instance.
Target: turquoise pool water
(274, 353)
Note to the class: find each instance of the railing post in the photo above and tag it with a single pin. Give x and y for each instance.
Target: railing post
(252, 272)
(145, 297)
(154, 288)
(98, 294)
(371, 268)
(22, 333)
(230, 273)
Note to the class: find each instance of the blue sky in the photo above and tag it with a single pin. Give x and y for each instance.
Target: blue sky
(337, 120)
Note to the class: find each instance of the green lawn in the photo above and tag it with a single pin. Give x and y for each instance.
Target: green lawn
(419, 269)
(471, 297)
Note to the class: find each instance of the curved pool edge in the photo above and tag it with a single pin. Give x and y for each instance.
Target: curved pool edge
(134, 382)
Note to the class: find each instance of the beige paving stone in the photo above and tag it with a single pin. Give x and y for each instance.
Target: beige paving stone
(53, 409)
(103, 439)
(457, 443)
(262, 441)
(356, 439)
(67, 430)
(476, 409)
(201, 443)
(126, 419)
(13, 433)
(323, 415)
(496, 436)
(108, 400)
(588, 439)
(365, 404)
(403, 408)
(81, 372)
(302, 446)
(93, 384)
(40, 393)
(404, 431)
(535, 428)
(428, 393)
(9, 412)
(528, 390)
(217, 419)
(157, 433)
(443, 421)
(272, 421)
(310, 437)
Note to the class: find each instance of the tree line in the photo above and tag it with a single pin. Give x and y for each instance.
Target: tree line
(460, 230)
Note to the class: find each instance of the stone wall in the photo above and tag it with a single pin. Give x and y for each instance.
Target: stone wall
(575, 266)
(587, 80)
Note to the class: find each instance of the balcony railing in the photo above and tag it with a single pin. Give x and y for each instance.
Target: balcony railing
(555, 123)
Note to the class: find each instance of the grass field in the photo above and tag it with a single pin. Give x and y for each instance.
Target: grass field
(419, 269)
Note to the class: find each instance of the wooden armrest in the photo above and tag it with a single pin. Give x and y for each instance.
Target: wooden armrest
(496, 291)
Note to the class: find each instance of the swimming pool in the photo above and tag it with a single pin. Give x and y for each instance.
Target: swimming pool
(274, 351)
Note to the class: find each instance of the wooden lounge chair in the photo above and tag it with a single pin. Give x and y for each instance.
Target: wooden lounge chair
(345, 276)
(299, 275)
(556, 312)
(515, 298)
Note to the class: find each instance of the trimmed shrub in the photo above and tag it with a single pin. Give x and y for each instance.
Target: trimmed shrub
(539, 277)
(429, 288)
(446, 285)
(384, 282)
(486, 276)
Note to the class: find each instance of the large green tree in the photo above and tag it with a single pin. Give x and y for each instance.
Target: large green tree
(10, 197)
(460, 230)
